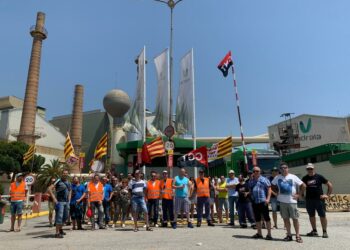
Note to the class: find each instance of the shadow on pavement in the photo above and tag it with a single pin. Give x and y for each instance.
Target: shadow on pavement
(250, 238)
(123, 229)
(38, 233)
(45, 236)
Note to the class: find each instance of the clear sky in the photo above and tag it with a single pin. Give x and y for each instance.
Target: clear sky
(290, 55)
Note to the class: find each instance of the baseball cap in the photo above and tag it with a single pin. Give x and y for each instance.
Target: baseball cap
(310, 166)
(19, 174)
(137, 171)
(231, 171)
(274, 169)
(201, 171)
(165, 172)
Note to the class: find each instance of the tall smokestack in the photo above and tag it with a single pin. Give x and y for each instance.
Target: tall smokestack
(27, 128)
(76, 130)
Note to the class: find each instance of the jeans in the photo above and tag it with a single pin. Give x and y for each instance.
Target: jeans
(232, 201)
(107, 209)
(123, 210)
(62, 211)
(245, 210)
(168, 207)
(203, 201)
(16, 208)
(76, 211)
(99, 207)
(153, 206)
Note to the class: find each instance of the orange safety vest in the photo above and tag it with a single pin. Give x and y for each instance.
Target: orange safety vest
(202, 187)
(95, 194)
(18, 193)
(153, 189)
(167, 189)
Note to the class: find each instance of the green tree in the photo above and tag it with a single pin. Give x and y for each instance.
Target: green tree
(11, 159)
(48, 171)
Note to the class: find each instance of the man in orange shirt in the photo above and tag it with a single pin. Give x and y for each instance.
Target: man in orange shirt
(202, 186)
(95, 198)
(166, 185)
(18, 195)
(153, 196)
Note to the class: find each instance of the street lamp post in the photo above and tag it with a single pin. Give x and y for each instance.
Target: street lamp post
(171, 4)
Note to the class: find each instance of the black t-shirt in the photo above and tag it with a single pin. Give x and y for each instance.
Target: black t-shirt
(241, 188)
(271, 179)
(62, 190)
(314, 186)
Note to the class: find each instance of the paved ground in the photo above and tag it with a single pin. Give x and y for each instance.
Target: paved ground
(37, 235)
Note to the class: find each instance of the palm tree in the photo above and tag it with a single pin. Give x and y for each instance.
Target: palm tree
(48, 171)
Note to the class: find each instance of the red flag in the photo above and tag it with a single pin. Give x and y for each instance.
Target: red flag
(199, 154)
(225, 64)
(145, 155)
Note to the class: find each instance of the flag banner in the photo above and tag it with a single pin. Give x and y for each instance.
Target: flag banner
(152, 150)
(69, 150)
(226, 64)
(184, 105)
(29, 154)
(137, 111)
(161, 119)
(221, 149)
(97, 166)
(139, 156)
(101, 148)
(199, 155)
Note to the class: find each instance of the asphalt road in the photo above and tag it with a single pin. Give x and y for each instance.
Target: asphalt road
(37, 235)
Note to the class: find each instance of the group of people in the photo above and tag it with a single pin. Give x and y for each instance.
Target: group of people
(115, 197)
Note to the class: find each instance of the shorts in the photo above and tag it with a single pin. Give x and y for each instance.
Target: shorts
(193, 200)
(211, 201)
(289, 210)
(182, 204)
(261, 209)
(223, 203)
(138, 205)
(274, 204)
(62, 211)
(316, 205)
(51, 207)
(16, 208)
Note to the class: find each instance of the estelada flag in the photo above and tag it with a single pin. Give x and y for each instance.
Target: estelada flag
(200, 155)
(226, 64)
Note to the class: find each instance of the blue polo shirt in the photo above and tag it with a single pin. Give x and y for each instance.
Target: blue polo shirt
(181, 192)
(107, 189)
(77, 193)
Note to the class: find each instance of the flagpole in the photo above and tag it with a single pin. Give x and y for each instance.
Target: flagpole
(194, 135)
(144, 103)
(239, 118)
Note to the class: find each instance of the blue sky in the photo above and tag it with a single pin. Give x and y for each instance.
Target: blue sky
(290, 55)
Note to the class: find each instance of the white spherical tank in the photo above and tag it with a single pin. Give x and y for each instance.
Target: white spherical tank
(116, 102)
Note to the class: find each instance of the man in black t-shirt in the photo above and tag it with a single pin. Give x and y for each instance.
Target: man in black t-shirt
(315, 199)
(244, 204)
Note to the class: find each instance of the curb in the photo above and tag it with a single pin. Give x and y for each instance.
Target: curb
(34, 215)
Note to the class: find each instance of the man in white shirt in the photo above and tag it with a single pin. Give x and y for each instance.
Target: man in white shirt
(289, 186)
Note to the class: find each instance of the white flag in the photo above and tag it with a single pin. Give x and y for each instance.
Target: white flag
(136, 114)
(161, 120)
(185, 99)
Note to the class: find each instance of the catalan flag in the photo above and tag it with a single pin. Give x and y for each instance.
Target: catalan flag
(221, 149)
(68, 148)
(101, 148)
(153, 150)
(29, 154)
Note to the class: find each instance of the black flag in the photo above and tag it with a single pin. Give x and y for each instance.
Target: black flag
(225, 64)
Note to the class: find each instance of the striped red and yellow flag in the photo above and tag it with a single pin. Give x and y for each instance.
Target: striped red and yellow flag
(29, 154)
(101, 148)
(68, 148)
(156, 148)
(224, 147)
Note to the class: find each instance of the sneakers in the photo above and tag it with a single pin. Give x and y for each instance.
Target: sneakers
(123, 225)
(189, 225)
(58, 236)
(231, 224)
(243, 226)
(211, 224)
(288, 238)
(164, 224)
(324, 235)
(313, 233)
(62, 233)
(156, 225)
(257, 236)
(268, 237)
(199, 223)
(173, 225)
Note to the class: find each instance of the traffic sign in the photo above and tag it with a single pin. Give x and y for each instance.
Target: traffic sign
(29, 180)
(169, 131)
(169, 145)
